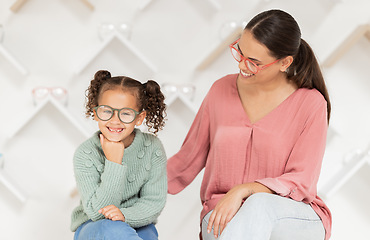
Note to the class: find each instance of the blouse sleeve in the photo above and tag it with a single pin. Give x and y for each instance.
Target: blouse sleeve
(303, 166)
(184, 166)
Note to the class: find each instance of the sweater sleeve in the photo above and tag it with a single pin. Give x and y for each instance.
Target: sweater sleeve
(152, 195)
(98, 185)
(302, 170)
(184, 166)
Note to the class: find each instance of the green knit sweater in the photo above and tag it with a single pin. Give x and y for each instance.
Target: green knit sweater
(138, 187)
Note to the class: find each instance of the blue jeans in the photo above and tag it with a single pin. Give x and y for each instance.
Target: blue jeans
(265, 216)
(106, 229)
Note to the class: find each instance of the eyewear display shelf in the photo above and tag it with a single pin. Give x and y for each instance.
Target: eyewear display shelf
(17, 5)
(8, 56)
(347, 169)
(127, 44)
(179, 96)
(10, 184)
(347, 34)
(336, 35)
(213, 3)
(62, 109)
(218, 48)
(5, 179)
(346, 43)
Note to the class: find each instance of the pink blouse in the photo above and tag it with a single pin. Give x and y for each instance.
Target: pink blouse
(283, 150)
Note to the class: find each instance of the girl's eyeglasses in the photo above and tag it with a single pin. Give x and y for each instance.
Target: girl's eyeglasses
(125, 115)
(252, 66)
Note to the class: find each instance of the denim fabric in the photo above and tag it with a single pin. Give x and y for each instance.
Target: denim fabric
(106, 229)
(266, 216)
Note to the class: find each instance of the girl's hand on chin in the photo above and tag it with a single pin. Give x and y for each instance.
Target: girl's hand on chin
(113, 151)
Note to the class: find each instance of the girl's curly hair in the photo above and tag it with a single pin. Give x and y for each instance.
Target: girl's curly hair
(148, 97)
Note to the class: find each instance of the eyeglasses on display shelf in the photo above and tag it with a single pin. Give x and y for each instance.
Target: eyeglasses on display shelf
(39, 94)
(186, 89)
(106, 30)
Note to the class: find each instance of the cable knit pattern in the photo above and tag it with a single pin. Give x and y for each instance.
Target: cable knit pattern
(138, 187)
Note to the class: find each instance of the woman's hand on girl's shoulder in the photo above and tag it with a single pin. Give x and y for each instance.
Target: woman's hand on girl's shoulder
(113, 151)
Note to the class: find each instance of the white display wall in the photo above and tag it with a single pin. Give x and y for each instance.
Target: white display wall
(56, 43)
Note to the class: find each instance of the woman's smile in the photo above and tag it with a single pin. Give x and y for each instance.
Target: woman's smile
(246, 75)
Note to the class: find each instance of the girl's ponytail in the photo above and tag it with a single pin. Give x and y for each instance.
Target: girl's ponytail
(154, 106)
(92, 93)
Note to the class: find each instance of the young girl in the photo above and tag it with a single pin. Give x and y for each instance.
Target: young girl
(121, 171)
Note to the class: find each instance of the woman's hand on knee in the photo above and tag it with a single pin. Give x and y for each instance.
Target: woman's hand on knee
(113, 213)
(225, 210)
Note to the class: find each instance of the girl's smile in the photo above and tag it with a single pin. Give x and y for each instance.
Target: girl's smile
(115, 130)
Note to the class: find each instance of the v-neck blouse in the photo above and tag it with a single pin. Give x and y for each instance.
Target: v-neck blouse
(283, 150)
(250, 124)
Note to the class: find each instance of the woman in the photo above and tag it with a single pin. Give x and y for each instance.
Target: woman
(260, 135)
